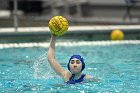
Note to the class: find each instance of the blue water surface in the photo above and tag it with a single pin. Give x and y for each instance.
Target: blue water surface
(26, 70)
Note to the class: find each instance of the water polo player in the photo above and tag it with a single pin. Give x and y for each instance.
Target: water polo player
(75, 66)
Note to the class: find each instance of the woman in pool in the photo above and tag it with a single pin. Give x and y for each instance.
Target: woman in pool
(75, 66)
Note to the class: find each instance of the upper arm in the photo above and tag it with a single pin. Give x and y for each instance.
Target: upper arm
(57, 67)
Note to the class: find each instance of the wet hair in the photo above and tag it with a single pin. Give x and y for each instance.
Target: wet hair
(78, 57)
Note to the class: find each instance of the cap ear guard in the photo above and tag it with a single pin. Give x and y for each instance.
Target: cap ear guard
(78, 57)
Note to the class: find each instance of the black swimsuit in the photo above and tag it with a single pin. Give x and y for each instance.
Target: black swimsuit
(72, 81)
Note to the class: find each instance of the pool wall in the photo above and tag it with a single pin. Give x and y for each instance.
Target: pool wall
(89, 33)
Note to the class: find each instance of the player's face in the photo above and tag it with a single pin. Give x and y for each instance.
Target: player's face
(75, 65)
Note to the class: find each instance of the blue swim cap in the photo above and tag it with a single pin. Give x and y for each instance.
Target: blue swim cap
(78, 57)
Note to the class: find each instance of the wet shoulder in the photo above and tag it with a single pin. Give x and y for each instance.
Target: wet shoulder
(89, 78)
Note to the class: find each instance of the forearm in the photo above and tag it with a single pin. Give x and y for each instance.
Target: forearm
(51, 51)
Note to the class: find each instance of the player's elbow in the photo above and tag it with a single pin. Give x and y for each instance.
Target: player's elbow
(50, 59)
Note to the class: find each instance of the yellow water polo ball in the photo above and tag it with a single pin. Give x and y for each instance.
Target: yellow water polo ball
(117, 35)
(58, 25)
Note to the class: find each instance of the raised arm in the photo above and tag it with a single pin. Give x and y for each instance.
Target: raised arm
(51, 58)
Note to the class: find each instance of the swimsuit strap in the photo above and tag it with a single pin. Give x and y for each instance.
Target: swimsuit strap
(72, 77)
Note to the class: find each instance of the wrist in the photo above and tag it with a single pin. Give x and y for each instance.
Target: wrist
(53, 36)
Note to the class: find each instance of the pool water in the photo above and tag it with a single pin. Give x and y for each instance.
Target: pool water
(26, 70)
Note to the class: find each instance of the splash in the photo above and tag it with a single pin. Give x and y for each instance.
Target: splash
(42, 68)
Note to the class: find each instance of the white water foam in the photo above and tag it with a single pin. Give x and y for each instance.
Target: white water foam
(42, 68)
